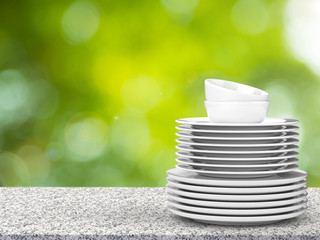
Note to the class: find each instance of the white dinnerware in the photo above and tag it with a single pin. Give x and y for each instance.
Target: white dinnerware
(274, 180)
(237, 190)
(237, 204)
(237, 112)
(237, 173)
(268, 122)
(237, 220)
(222, 90)
(236, 212)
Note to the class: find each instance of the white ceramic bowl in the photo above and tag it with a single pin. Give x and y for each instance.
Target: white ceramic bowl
(237, 112)
(222, 90)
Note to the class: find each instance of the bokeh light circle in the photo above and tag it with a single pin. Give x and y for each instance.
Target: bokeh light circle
(13, 171)
(14, 98)
(86, 136)
(130, 134)
(36, 160)
(80, 22)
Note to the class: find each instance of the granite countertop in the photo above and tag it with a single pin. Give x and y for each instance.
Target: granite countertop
(126, 213)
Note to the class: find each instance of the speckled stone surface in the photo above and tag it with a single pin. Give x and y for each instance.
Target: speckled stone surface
(126, 213)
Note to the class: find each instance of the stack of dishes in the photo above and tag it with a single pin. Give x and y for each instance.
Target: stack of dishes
(237, 173)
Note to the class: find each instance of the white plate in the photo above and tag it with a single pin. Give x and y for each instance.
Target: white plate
(236, 135)
(236, 212)
(241, 167)
(238, 142)
(274, 180)
(246, 159)
(204, 121)
(233, 137)
(235, 197)
(241, 156)
(190, 129)
(231, 150)
(236, 128)
(237, 190)
(245, 145)
(237, 220)
(237, 174)
(235, 204)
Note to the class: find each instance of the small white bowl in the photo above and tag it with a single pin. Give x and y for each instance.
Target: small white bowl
(222, 90)
(237, 112)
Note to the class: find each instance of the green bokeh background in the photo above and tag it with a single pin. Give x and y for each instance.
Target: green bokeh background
(90, 90)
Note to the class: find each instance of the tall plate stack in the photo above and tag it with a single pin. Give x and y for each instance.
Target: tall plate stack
(237, 173)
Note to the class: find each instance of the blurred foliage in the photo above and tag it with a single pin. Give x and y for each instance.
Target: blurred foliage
(90, 90)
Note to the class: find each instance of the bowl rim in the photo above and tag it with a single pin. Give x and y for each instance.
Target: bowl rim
(237, 102)
(210, 81)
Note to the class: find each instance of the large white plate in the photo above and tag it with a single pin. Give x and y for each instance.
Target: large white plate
(231, 150)
(235, 197)
(237, 174)
(234, 137)
(236, 190)
(237, 220)
(204, 121)
(253, 166)
(237, 158)
(236, 212)
(274, 180)
(235, 204)
(190, 129)
(243, 145)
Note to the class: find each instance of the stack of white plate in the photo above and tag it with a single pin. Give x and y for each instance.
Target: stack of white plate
(237, 174)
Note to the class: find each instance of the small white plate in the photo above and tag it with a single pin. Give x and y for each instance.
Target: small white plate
(236, 212)
(236, 135)
(231, 150)
(237, 174)
(235, 204)
(236, 128)
(274, 180)
(261, 137)
(235, 197)
(228, 141)
(237, 220)
(223, 165)
(245, 159)
(244, 145)
(190, 129)
(204, 121)
(237, 190)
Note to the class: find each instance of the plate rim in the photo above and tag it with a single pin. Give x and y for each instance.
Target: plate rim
(221, 189)
(255, 211)
(181, 135)
(178, 153)
(287, 121)
(238, 219)
(178, 140)
(240, 204)
(295, 147)
(296, 160)
(244, 197)
(181, 128)
(239, 182)
(282, 170)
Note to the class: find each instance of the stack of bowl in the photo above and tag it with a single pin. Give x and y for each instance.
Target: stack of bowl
(237, 172)
(230, 102)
